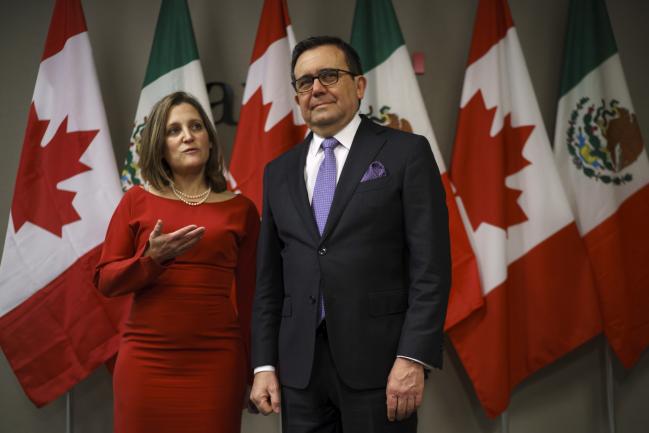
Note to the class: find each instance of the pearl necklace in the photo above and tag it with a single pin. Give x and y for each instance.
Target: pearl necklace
(187, 198)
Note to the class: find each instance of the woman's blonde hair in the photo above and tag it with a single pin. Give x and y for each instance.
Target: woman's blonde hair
(155, 169)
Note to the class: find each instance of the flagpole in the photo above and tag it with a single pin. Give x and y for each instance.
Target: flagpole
(504, 422)
(610, 391)
(68, 412)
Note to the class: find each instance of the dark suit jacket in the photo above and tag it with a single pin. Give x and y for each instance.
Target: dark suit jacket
(383, 263)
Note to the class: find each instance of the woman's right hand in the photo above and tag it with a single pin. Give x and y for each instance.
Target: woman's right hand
(166, 246)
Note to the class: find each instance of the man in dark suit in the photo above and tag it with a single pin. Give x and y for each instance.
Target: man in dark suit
(353, 267)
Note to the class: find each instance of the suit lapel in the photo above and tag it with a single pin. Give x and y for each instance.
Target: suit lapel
(297, 188)
(366, 145)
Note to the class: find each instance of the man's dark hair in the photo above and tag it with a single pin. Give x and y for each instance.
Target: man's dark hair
(351, 56)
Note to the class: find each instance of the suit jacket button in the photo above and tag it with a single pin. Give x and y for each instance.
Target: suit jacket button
(322, 251)
(312, 299)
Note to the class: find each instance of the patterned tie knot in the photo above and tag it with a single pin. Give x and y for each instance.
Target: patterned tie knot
(329, 143)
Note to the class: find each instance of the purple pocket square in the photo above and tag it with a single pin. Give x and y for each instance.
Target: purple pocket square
(374, 171)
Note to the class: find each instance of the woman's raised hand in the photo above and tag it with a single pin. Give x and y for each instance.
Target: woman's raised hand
(165, 246)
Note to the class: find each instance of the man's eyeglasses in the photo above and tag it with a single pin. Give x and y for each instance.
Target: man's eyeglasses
(327, 77)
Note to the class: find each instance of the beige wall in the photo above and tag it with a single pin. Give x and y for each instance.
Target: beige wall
(568, 396)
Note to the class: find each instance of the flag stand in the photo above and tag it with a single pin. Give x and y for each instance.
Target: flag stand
(504, 422)
(68, 412)
(610, 394)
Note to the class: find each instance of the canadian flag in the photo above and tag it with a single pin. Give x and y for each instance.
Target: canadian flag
(54, 326)
(270, 122)
(537, 282)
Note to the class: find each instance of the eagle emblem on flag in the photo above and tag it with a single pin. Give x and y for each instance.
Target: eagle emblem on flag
(388, 119)
(603, 140)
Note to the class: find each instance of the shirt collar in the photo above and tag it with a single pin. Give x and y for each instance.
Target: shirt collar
(345, 136)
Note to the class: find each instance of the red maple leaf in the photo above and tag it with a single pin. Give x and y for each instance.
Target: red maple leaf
(254, 147)
(36, 196)
(481, 163)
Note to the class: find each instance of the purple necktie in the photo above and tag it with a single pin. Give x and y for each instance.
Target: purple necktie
(323, 194)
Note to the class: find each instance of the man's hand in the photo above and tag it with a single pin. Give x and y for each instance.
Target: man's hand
(247, 403)
(265, 393)
(405, 389)
(164, 247)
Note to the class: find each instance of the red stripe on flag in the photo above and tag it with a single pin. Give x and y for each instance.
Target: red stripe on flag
(67, 21)
(493, 19)
(466, 295)
(62, 333)
(619, 252)
(254, 147)
(272, 26)
(546, 308)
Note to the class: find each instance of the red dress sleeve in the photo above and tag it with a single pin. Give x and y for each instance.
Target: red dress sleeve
(123, 268)
(245, 276)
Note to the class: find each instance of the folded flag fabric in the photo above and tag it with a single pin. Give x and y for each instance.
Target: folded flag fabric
(270, 122)
(539, 296)
(55, 328)
(604, 167)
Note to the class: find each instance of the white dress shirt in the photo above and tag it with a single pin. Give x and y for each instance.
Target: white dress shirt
(313, 161)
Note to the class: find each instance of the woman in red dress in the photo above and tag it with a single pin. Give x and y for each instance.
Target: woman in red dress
(184, 247)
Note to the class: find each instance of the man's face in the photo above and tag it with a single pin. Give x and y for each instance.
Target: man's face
(326, 110)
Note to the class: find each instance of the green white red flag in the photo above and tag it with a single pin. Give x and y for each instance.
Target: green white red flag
(174, 66)
(603, 164)
(540, 300)
(393, 98)
(55, 328)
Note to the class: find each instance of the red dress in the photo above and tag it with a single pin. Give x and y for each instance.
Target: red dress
(183, 360)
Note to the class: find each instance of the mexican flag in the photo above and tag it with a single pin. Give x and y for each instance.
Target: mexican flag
(539, 296)
(55, 327)
(393, 99)
(605, 171)
(270, 122)
(173, 66)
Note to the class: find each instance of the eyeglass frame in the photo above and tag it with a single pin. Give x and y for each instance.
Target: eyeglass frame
(317, 76)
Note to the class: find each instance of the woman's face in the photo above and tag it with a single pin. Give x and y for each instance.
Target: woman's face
(187, 144)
